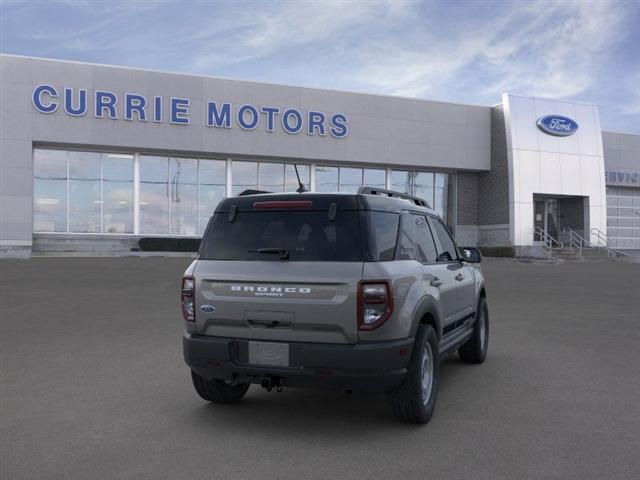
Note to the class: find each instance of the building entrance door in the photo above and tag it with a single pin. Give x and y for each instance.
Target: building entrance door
(545, 216)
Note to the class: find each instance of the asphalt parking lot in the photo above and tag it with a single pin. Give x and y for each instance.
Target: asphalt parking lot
(93, 386)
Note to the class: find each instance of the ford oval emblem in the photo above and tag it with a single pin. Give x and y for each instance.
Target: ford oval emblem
(557, 125)
(208, 308)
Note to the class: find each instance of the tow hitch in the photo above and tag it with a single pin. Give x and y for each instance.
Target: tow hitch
(269, 383)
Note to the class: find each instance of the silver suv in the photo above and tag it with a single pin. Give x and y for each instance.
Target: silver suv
(363, 291)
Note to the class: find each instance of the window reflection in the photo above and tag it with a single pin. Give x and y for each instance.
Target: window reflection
(183, 192)
(244, 176)
(212, 178)
(440, 200)
(350, 179)
(423, 186)
(374, 178)
(49, 190)
(271, 177)
(154, 195)
(291, 181)
(85, 203)
(179, 195)
(326, 179)
(401, 181)
(117, 193)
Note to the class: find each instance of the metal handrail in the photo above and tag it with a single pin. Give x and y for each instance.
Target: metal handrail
(603, 244)
(549, 243)
(576, 240)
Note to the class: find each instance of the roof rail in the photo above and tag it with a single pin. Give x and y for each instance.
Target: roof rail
(393, 194)
(251, 191)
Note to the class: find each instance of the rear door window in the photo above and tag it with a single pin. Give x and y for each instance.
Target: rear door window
(304, 235)
(424, 239)
(447, 251)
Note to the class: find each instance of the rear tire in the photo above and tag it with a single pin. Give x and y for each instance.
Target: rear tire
(415, 399)
(218, 391)
(475, 350)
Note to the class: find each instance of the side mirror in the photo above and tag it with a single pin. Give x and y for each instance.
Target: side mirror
(471, 254)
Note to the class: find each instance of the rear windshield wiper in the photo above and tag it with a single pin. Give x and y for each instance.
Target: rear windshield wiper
(283, 252)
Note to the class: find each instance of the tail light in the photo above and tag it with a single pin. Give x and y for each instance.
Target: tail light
(375, 303)
(187, 298)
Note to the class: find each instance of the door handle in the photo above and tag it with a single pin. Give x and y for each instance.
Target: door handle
(459, 277)
(436, 282)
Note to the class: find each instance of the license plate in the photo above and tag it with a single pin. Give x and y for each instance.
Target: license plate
(269, 353)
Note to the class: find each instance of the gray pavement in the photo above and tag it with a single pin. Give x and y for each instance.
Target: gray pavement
(92, 385)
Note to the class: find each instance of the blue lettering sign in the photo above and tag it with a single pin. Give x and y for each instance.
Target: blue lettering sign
(220, 115)
(179, 111)
(557, 125)
(68, 102)
(339, 125)
(316, 122)
(135, 103)
(221, 118)
(106, 100)
(157, 109)
(286, 124)
(253, 115)
(271, 117)
(36, 98)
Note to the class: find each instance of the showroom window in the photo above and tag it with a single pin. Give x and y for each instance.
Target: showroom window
(154, 195)
(183, 196)
(85, 199)
(50, 191)
(212, 185)
(401, 181)
(120, 193)
(117, 193)
(245, 176)
(326, 179)
(291, 180)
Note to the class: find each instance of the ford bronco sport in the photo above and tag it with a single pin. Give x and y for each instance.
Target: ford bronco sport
(363, 291)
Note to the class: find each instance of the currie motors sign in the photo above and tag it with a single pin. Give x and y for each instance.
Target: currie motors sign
(131, 106)
(557, 125)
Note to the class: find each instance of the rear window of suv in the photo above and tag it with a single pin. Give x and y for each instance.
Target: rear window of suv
(304, 236)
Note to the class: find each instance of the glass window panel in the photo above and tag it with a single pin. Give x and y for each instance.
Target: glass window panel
(401, 181)
(85, 204)
(212, 175)
(440, 194)
(117, 193)
(375, 178)
(291, 181)
(326, 179)
(183, 196)
(50, 190)
(350, 179)
(154, 195)
(423, 187)
(271, 177)
(244, 176)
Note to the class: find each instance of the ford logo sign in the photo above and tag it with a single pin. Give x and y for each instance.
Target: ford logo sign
(208, 308)
(557, 125)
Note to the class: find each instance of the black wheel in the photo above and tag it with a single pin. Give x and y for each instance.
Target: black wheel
(218, 391)
(415, 399)
(475, 350)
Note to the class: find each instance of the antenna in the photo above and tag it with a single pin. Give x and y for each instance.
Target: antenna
(301, 188)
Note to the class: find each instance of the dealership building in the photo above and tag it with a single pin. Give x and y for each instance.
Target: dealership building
(95, 157)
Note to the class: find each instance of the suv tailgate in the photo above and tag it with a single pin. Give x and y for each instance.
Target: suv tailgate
(280, 301)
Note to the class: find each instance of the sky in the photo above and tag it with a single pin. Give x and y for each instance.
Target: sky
(456, 51)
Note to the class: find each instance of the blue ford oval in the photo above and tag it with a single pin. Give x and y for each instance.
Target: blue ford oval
(557, 125)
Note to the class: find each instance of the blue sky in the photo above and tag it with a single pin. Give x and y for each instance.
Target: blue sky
(459, 51)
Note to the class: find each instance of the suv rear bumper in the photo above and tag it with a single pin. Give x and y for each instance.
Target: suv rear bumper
(370, 367)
